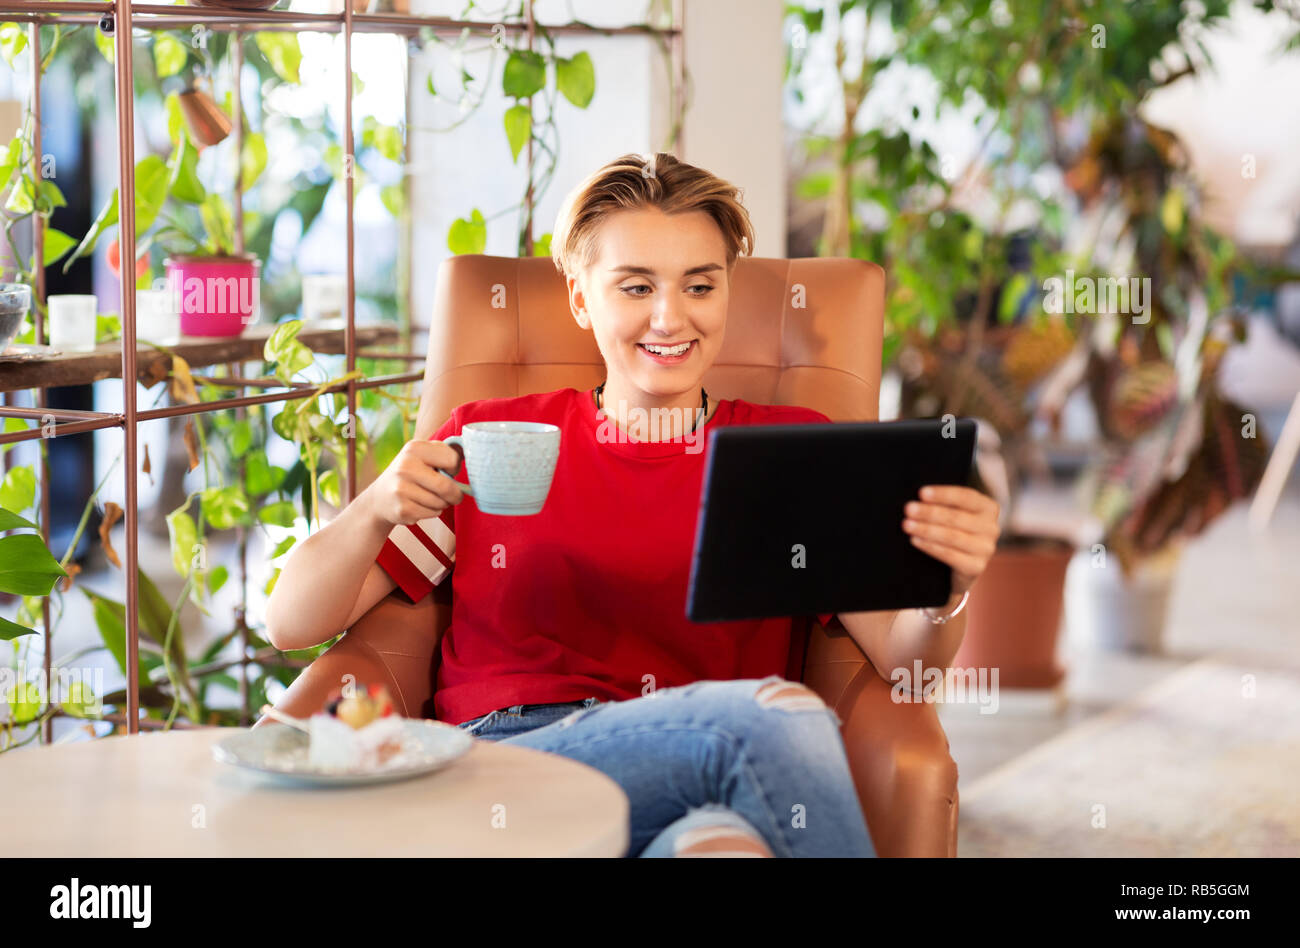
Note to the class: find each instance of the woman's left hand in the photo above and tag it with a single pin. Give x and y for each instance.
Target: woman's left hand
(956, 525)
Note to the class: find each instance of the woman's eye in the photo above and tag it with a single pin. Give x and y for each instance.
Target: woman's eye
(639, 286)
(702, 286)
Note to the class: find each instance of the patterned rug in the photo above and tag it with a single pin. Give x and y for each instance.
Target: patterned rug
(1205, 763)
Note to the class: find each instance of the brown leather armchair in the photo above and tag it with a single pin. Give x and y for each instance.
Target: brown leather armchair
(799, 332)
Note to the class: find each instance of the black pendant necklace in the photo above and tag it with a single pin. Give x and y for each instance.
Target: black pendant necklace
(704, 404)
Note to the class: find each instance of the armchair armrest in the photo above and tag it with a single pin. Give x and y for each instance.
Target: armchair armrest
(897, 751)
(395, 643)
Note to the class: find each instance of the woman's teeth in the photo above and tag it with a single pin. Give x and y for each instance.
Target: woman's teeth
(665, 351)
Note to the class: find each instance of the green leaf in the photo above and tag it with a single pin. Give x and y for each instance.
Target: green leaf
(576, 79)
(815, 186)
(224, 507)
(105, 45)
(13, 40)
(219, 220)
(519, 126)
(468, 236)
(57, 243)
(524, 75)
(282, 52)
(542, 246)
(184, 538)
(24, 701)
(241, 438)
(21, 199)
(184, 182)
(329, 487)
(289, 355)
(108, 326)
(175, 118)
(253, 161)
(394, 199)
(110, 620)
(19, 488)
(12, 630)
(80, 701)
(11, 521)
(260, 477)
(151, 177)
(26, 566)
(387, 140)
(280, 514)
(169, 55)
(1012, 294)
(12, 155)
(16, 424)
(49, 196)
(217, 578)
(284, 546)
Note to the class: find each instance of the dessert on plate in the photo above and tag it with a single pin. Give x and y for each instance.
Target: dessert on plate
(357, 731)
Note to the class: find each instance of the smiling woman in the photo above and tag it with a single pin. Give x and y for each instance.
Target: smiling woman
(647, 246)
(568, 630)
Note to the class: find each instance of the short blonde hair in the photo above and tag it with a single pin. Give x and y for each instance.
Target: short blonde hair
(639, 181)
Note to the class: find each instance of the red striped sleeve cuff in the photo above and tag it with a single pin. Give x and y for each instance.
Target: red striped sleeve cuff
(419, 556)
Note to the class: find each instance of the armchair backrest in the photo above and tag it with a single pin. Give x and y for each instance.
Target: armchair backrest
(804, 331)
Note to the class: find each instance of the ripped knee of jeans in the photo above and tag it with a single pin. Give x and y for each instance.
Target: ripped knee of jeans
(788, 696)
(721, 840)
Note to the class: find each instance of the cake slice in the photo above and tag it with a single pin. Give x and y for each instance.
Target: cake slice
(357, 732)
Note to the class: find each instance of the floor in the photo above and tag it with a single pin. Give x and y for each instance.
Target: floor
(1233, 592)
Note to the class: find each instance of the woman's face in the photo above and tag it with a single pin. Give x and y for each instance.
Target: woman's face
(658, 280)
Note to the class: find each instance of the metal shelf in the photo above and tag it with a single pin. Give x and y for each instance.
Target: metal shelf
(127, 17)
(160, 16)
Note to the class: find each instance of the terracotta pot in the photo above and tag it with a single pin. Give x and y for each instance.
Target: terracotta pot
(1015, 614)
(215, 296)
(207, 124)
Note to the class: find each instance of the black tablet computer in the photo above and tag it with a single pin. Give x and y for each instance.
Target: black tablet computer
(807, 519)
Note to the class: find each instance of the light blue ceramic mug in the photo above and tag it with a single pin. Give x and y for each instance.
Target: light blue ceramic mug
(509, 464)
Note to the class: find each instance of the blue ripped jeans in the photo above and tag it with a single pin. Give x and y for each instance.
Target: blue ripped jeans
(761, 755)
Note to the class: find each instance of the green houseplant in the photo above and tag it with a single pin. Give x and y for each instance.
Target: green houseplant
(967, 242)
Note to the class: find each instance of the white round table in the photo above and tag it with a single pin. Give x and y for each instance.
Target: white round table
(163, 794)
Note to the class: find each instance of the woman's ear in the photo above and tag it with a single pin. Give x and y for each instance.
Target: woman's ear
(577, 301)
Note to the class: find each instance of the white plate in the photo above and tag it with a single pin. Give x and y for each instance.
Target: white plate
(280, 751)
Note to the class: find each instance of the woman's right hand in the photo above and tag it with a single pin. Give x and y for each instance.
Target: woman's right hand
(412, 488)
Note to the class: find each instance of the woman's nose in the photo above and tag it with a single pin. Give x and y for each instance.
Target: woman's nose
(667, 319)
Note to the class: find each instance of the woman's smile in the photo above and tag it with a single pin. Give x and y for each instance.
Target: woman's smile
(670, 353)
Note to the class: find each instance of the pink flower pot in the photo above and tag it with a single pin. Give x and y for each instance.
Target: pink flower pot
(215, 296)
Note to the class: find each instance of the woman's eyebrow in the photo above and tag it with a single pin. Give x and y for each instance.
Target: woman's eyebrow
(648, 271)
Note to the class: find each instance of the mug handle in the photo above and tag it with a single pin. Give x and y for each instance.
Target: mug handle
(460, 443)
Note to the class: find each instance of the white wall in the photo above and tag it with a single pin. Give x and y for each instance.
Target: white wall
(735, 56)
(733, 126)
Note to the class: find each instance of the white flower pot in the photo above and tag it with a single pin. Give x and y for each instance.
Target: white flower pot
(1106, 610)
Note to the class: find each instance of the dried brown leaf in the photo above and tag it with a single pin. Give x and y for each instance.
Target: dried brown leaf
(72, 569)
(191, 444)
(112, 514)
(183, 391)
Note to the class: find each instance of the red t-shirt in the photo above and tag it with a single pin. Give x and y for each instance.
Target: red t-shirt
(587, 597)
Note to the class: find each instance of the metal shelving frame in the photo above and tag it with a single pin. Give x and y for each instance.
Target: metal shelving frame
(126, 17)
